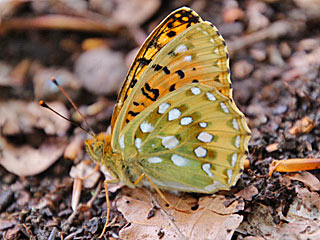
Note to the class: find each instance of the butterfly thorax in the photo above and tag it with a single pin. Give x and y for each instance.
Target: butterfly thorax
(99, 150)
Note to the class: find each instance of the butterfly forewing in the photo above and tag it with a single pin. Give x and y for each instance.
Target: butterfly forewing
(168, 29)
(193, 139)
(197, 55)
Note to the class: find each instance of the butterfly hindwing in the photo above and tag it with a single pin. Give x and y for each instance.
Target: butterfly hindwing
(193, 139)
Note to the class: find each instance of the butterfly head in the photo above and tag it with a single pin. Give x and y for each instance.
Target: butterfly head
(98, 147)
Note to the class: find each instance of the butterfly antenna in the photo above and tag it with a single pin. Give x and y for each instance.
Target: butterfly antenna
(89, 130)
(45, 105)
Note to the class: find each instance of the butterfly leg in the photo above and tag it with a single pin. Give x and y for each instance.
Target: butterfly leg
(158, 191)
(106, 182)
(294, 165)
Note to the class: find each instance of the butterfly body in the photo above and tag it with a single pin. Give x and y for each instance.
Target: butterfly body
(175, 120)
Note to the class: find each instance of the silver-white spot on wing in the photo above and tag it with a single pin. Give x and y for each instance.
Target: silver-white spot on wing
(188, 58)
(146, 127)
(138, 143)
(174, 114)
(181, 48)
(179, 161)
(237, 141)
(235, 124)
(163, 107)
(200, 152)
(154, 160)
(186, 121)
(121, 141)
(169, 142)
(195, 90)
(213, 187)
(229, 172)
(224, 107)
(203, 124)
(205, 137)
(206, 167)
(234, 159)
(211, 97)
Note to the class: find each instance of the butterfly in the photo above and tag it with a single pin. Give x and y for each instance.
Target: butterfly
(175, 121)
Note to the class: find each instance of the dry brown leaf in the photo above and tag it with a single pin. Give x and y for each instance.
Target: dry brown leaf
(307, 178)
(9, 7)
(73, 150)
(305, 206)
(310, 7)
(253, 238)
(84, 170)
(211, 219)
(272, 147)
(101, 70)
(84, 174)
(301, 223)
(18, 74)
(18, 117)
(5, 69)
(305, 125)
(255, 13)
(27, 161)
(43, 86)
(248, 193)
(138, 10)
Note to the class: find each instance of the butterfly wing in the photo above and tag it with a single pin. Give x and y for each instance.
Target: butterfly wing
(198, 54)
(193, 139)
(167, 30)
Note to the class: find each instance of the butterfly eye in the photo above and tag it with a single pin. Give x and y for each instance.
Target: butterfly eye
(95, 150)
(98, 149)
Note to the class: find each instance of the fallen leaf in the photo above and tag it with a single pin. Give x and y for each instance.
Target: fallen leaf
(210, 219)
(307, 178)
(43, 86)
(101, 70)
(74, 148)
(248, 193)
(85, 171)
(305, 125)
(18, 117)
(24, 160)
(138, 10)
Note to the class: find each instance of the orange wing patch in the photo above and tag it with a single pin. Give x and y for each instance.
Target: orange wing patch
(169, 28)
(198, 55)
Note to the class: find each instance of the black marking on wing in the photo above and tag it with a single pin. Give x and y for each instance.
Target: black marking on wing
(133, 113)
(157, 67)
(133, 83)
(171, 34)
(180, 73)
(148, 92)
(143, 61)
(172, 87)
(166, 70)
